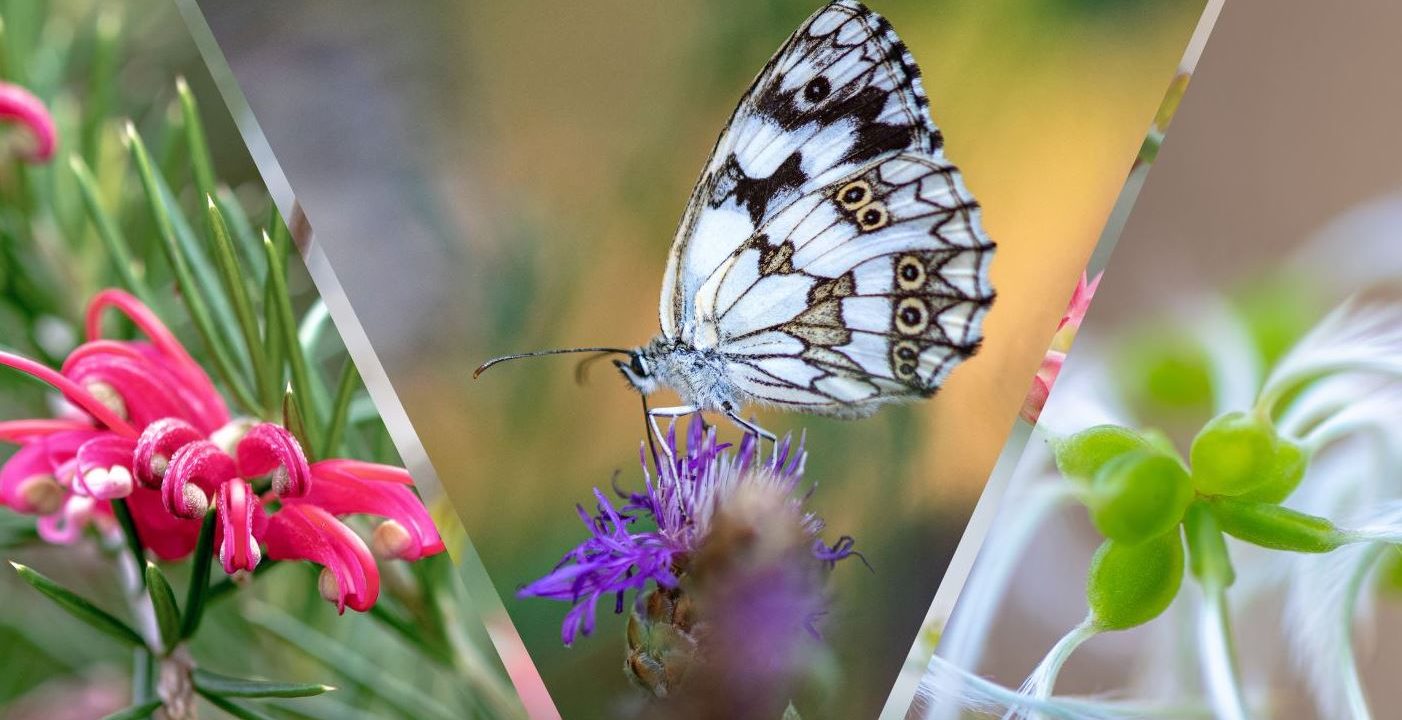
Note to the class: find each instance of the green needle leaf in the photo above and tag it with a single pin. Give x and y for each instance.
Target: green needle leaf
(133, 536)
(345, 391)
(180, 263)
(297, 361)
(199, 577)
(136, 712)
(195, 137)
(239, 711)
(109, 232)
(163, 600)
(229, 687)
(78, 606)
(228, 265)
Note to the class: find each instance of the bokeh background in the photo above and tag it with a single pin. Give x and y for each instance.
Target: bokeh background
(494, 177)
(1282, 162)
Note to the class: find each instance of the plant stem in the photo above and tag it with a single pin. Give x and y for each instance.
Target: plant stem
(1218, 662)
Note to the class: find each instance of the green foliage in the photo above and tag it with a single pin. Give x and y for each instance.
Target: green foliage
(79, 606)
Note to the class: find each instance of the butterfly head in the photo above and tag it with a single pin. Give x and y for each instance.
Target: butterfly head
(640, 369)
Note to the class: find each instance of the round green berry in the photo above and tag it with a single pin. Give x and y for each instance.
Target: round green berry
(1080, 456)
(1233, 454)
(1138, 496)
(1291, 461)
(1130, 585)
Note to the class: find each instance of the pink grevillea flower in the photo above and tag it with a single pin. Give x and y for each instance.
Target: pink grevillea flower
(1061, 343)
(157, 433)
(18, 105)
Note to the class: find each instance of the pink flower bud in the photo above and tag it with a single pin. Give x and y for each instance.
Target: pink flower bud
(20, 106)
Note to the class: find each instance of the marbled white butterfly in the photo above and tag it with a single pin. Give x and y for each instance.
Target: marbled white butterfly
(830, 259)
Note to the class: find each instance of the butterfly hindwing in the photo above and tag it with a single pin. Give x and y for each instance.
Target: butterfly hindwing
(867, 290)
(842, 93)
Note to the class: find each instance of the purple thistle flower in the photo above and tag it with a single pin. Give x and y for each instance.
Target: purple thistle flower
(680, 498)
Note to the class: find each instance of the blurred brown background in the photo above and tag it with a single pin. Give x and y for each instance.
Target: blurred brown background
(1287, 138)
(495, 177)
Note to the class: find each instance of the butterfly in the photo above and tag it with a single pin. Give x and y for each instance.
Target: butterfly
(831, 259)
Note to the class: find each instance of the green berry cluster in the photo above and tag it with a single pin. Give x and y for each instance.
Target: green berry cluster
(1139, 492)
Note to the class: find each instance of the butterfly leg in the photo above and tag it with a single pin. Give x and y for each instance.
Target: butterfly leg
(668, 412)
(760, 433)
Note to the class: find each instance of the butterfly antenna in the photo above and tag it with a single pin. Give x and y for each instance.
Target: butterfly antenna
(483, 367)
(581, 370)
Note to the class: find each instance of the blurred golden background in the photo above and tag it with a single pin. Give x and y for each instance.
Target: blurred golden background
(496, 177)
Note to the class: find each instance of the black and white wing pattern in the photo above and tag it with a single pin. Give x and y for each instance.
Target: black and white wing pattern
(831, 254)
(842, 92)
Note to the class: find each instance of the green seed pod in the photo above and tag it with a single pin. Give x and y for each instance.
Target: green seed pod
(1139, 495)
(1080, 456)
(1208, 558)
(1233, 454)
(1130, 585)
(1291, 461)
(1275, 527)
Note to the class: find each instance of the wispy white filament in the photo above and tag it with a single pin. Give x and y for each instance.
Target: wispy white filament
(1218, 660)
(1234, 365)
(1349, 339)
(981, 695)
(1320, 619)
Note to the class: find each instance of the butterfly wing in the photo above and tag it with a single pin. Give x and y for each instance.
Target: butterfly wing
(841, 93)
(869, 290)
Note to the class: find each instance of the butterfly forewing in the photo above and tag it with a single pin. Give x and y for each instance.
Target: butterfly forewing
(830, 252)
(841, 93)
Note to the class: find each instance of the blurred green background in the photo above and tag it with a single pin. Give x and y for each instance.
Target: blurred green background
(496, 177)
(97, 65)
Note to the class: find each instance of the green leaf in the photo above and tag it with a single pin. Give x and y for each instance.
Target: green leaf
(163, 600)
(364, 673)
(133, 536)
(297, 361)
(229, 687)
(78, 606)
(136, 712)
(237, 289)
(109, 232)
(199, 577)
(180, 259)
(195, 138)
(340, 410)
(241, 712)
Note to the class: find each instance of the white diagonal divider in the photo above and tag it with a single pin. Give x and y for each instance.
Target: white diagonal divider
(507, 641)
(961, 564)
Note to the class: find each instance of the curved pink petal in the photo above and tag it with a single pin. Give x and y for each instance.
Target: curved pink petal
(22, 431)
(164, 342)
(104, 467)
(238, 548)
(157, 445)
(266, 448)
(196, 470)
(76, 393)
(21, 106)
(1041, 386)
(169, 537)
(27, 482)
(65, 527)
(367, 470)
(149, 387)
(305, 532)
(341, 490)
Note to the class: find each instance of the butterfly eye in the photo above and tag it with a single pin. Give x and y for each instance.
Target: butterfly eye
(872, 217)
(817, 89)
(638, 366)
(854, 194)
(910, 272)
(912, 317)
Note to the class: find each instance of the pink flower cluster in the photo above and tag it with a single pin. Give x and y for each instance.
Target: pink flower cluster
(1061, 342)
(148, 427)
